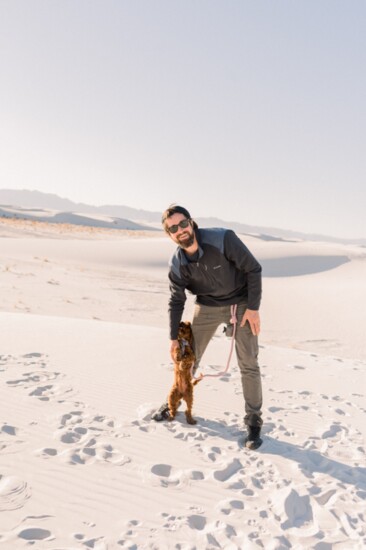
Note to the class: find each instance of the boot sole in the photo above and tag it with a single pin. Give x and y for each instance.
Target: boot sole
(253, 444)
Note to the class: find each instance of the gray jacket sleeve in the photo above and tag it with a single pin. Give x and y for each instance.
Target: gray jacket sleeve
(240, 255)
(176, 303)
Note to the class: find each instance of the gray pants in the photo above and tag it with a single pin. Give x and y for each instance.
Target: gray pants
(206, 320)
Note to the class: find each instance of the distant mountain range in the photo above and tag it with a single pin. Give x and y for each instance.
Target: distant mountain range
(125, 217)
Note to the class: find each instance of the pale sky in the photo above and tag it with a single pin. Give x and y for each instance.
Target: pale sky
(250, 111)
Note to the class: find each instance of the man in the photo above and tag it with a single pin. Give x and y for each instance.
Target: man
(215, 266)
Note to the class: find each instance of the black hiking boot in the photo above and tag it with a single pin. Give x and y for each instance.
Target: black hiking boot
(253, 441)
(162, 413)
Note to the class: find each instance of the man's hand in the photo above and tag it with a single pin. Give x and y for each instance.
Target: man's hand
(174, 344)
(253, 319)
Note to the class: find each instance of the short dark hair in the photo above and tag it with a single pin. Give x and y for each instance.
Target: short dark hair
(176, 209)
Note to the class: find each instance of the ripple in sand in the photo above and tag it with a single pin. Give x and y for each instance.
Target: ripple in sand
(14, 492)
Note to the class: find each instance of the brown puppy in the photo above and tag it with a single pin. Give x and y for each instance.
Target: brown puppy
(183, 384)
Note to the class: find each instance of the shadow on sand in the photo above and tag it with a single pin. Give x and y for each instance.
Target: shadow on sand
(310, 461)
(294, 266)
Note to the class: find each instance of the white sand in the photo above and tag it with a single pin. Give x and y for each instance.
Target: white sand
(84, 362)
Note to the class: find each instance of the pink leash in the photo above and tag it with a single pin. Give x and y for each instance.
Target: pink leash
(233, 321)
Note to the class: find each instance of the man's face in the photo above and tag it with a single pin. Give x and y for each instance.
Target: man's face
(184, 236)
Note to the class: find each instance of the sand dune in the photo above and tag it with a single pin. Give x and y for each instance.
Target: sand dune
(84, 362)
(69, 218)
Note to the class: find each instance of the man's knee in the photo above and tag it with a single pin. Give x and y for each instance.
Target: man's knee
(249, 369)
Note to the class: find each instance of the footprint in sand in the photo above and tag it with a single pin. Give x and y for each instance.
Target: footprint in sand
(230, 506)
(134, 528)
(32, 359)
(42, 384)
(16, 362)
(232, 468)
(33, 355)
(294, 511)
(339, 436)
(30, 379)
(71, 418)
(96, 543)
(208, 453)
(167, 476)
(47, 452)
(191, 435)
(93, 452)
(33, 534)
(172, 522)
(334, 430)
(9, 441)
(88, 439)
(275, 409)
(4, 362)
(10, 430)
(14, 492)
(38, 382)
(196, 522)
(220, 534)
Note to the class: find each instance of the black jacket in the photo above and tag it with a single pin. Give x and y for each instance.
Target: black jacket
(224, 273)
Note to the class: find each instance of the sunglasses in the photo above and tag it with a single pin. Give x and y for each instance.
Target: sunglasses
(174, 228)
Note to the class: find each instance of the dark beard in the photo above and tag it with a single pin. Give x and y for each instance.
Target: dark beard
(187, 242)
